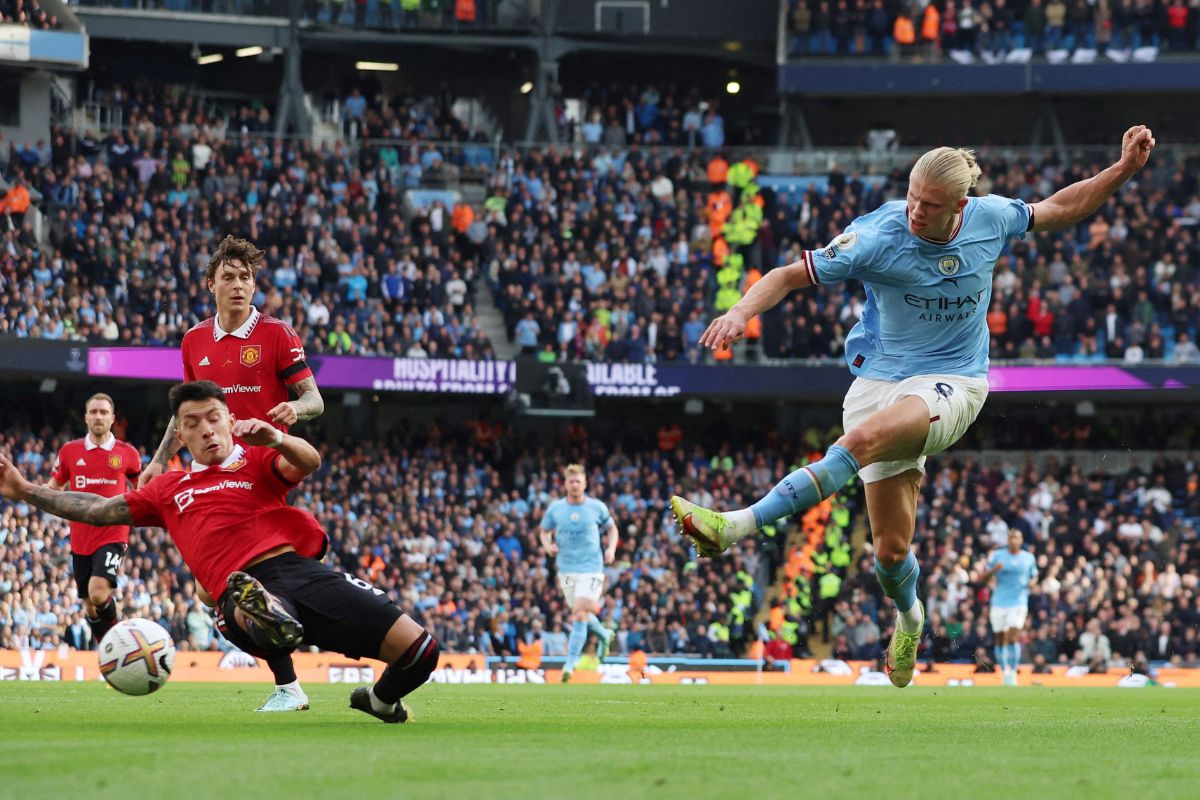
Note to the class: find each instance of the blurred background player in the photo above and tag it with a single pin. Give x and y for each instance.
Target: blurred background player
(919, 354)
(570, 530)
(99, 464)
(1015, 571)
(255, 358)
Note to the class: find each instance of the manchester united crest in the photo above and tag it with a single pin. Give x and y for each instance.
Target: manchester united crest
(114, 461)
(251, 355)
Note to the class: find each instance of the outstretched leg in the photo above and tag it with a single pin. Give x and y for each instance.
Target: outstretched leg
(895, 433)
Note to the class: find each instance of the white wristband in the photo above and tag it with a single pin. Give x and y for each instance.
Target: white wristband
(278, 439)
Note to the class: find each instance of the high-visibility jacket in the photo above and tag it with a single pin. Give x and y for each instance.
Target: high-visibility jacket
(16, 201)
(464, 10)
(531, 654)
(931, 23)
(462, 217)
(830, 586)
(718, 170)
(903, 31)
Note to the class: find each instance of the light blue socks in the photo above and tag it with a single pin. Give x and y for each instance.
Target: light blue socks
(900, 582)
(807, 486)
(575, 644)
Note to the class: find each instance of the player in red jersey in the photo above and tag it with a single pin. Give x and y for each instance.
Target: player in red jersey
(100, 464)
(255, 358)
(257, 555)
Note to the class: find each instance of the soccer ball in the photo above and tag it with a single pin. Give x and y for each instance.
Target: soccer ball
(136, 656)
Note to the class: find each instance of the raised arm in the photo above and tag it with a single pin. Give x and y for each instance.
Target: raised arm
(78, 506)
(767, 293)
(308, 405)
(168, 447)
(299, 458)
(1075, 203)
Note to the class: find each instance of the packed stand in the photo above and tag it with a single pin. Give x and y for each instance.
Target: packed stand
(991, 29)
(28, 13)
(446, 522)
(1117, 563)
(132, 215)
(605, 253)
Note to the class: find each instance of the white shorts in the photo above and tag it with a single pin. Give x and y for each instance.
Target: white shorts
(954, 403)
(1006, 617)
(581, 584)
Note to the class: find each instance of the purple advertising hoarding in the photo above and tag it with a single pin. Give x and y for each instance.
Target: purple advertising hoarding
(449, 376)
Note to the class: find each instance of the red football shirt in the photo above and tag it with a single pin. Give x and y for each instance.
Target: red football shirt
(222, 516)
(253, 364)
(97, 469)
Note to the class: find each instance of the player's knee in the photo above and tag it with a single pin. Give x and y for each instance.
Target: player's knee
(99, 597)
(421, 657)
(864, 443)
(891, 554)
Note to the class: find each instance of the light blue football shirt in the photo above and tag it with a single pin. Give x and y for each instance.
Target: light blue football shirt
(578, 528)
(1012, 581)
(927, 303)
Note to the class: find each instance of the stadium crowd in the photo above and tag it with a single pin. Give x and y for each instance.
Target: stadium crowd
(370, 14)
(1116, 554)
(606, 252)
(446, 522)
(130, 215)
(28, 13)
(989, 27)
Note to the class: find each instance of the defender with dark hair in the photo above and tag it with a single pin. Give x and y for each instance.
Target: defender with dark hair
(257, 555)
(254, 358)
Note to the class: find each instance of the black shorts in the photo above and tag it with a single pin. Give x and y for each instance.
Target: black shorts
(103, 563)
(339, 612)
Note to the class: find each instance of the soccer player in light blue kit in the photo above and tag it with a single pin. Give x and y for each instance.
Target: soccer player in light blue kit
(919, 354)
(571, 529)
(1015, 570)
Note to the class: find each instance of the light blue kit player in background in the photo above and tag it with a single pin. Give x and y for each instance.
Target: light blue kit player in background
(571, 530)
(1015, 570)
(919, 354)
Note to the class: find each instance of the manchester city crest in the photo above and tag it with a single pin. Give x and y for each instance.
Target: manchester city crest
(948, 265)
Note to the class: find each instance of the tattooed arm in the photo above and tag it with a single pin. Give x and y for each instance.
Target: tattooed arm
(309, 404)
(168, 447)
(78, 506)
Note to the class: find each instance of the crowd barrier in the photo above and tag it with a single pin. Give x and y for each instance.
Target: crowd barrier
(313, 668)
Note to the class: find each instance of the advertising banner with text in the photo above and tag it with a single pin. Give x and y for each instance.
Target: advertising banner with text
(451, 376)
(73, 665)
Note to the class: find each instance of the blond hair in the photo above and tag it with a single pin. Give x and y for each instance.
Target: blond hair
(573, 469)
(952, 167)
(101, 396)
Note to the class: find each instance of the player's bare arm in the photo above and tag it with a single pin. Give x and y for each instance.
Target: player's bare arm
(167, 448)
(548, 544)
(78, 506)
(610, 549)
(1077, 202)
(767, 293)
(309, 404)
(300, 459)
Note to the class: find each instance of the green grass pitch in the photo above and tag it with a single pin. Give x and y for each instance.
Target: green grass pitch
(72, 740)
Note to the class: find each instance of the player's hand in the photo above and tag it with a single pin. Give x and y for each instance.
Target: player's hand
(1136, 145)
(723, 331)
(152, 471)
(255, 432)
(12, 482)
(283, 414)
(610, 555)
(550, 547)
